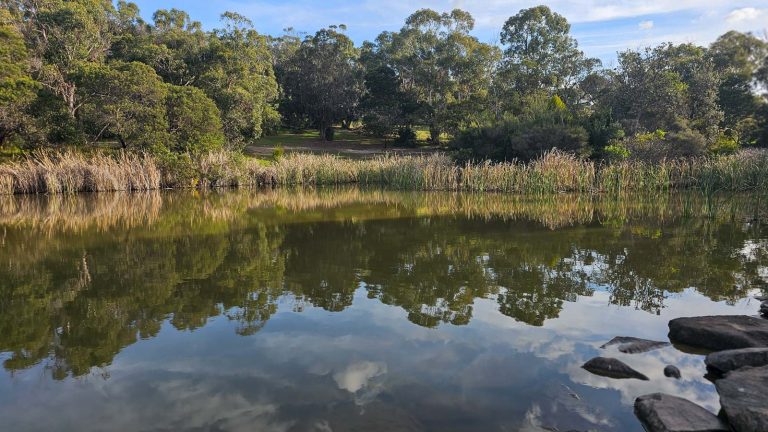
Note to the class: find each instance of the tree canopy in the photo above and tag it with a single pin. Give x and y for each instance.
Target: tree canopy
(76, 72)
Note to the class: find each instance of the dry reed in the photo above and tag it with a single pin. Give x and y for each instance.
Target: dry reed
(555, 172)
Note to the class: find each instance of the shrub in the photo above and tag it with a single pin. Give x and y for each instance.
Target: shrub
(513, 140)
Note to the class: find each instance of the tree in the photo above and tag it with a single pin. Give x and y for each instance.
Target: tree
(17, 88)
(238, 76)
(737, 57)
(663, 87)
(62, 36)
(323, 80)
(539, 53)
(440, 67)
(124, 101)
(193, 121)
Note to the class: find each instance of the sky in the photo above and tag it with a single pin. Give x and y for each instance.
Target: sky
(602, 27)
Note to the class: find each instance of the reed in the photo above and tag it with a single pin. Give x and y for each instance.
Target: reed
(553, 173)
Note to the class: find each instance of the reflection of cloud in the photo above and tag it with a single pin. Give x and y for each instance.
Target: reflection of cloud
(357, 375)
(693, 386)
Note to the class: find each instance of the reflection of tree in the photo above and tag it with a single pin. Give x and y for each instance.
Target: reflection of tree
(132, 289)
(79, 296)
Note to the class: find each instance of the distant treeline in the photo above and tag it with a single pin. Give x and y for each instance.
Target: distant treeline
(75, 72)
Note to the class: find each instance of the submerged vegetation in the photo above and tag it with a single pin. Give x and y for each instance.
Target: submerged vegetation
(554, 172)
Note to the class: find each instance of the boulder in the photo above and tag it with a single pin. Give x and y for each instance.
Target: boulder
(672, 372)
(722, 362)
(717, 333)
(632, 345)
(660, 412)
(743, 398)
(612, 368)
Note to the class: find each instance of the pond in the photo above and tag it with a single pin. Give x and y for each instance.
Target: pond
(348, 309)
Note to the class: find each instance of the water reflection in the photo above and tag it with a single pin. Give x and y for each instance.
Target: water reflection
(83, 278)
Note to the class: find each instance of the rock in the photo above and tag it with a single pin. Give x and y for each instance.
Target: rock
(612, 368)
(660, 412)
(719, 333)
(632, 345)
(672, 372)
(761, 298)
(743, 398)
(722, 362)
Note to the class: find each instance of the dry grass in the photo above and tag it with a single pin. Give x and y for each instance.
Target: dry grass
(555, 172)
(69, 172)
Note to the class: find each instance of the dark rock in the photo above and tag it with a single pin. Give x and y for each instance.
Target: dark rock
(612, 368)
(722, 362)
(719, 333)
(743, 398)
(761, 298)
(672, 372)
(660, 412)
(632, 345)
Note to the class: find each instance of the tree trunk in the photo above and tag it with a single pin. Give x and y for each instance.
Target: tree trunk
(123, 144)
(434, 134)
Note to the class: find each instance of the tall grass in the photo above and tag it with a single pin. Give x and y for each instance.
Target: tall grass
(554, 172)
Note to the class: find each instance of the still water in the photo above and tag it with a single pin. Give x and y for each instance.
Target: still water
(341, 310)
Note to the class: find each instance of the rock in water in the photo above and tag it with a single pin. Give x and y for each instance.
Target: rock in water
(612, 368)
(719, 333)
(660, 412)
(672, 372)
(632, 345)
(744, 399)
(722, 362)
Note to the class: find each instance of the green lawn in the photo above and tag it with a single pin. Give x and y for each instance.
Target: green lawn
(289, 138)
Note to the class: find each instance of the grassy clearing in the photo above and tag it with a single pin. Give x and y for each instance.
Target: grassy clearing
(555, 172)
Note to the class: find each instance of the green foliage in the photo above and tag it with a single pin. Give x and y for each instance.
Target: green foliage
(544, 124)
(321, 81)
(540, 54)
(431, 72)
(17, 87)
(682, 142)
(193, 121)
(125, 102)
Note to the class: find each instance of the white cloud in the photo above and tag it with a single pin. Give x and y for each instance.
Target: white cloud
(645, 25)
(746, 14)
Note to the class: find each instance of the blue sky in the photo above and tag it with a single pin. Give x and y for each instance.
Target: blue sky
(602, 27)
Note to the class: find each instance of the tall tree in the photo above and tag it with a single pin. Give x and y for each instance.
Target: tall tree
(737, 57)
(540, 53)
(62, 36)
(323, 80)
(440, 66)
(662, 87)
(17, 87)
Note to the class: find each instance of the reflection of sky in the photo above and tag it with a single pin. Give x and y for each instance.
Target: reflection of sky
(370, 367)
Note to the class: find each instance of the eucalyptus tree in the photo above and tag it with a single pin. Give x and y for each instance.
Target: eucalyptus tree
(322, 80)
(17, 87)
(540, 54)
(440, 66)
(666, 87)
(738, 57)
(61, 37)
(239, 77)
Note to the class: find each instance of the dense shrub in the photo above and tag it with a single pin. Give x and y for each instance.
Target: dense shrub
(513, 140)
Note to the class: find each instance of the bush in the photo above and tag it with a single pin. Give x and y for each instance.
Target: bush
(515, 140)
(278, 153)
(406, 137)
(660, 145)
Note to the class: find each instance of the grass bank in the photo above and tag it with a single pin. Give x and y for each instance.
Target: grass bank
(555, 172)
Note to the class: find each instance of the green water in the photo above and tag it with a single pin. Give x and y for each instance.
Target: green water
(357, 310)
